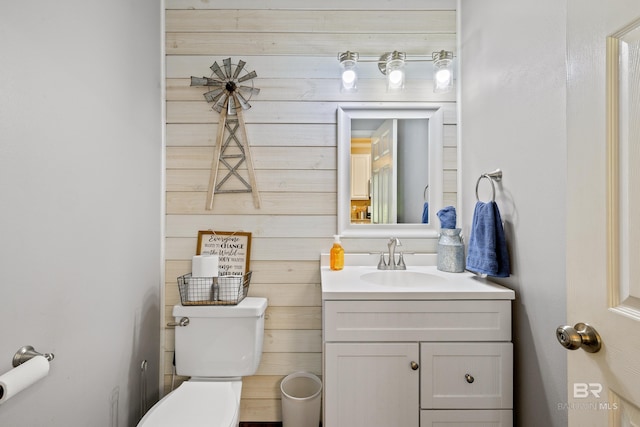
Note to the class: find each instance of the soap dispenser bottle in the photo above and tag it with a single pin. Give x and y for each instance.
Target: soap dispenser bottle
(336, 255)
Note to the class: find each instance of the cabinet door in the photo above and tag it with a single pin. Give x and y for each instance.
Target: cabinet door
(371, 385)
(466, 375)
(360, 176)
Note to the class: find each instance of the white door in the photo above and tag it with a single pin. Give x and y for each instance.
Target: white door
(360, 176)
(603, 210)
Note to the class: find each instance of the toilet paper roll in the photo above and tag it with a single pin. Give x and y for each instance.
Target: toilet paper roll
(199, 289)
(17, 379)
(229, 288)
(204, 266)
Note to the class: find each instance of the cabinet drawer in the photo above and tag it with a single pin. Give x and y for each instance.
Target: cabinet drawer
(486, 418)
(485, 320)
(466, 375)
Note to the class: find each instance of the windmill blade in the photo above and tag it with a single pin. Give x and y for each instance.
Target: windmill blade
(239, 68)
(215, 82)
(218, 71)
(252, 90)
(198, 81)
(213, 95)
(251, 75)
(221, 102)
(241, 100)
(206, 81)
(232, 105)
(227, 67)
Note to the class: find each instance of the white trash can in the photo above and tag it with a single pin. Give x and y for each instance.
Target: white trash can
(301, 396)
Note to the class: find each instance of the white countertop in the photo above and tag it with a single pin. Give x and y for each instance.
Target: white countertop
(348, 283)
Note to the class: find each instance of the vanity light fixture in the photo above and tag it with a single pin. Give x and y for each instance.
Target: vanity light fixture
(348, 61)
(392, 65)
(442, 71)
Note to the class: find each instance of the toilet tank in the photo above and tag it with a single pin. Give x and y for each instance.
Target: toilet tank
(220, 341)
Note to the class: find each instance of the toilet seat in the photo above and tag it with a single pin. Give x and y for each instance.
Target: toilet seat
(195, 404)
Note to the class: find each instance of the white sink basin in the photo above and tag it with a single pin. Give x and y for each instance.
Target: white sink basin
(403, 278)
(361, 280)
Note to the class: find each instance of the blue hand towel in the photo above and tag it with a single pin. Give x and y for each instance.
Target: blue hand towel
(487, 252)
(447, 217)
(425, 213)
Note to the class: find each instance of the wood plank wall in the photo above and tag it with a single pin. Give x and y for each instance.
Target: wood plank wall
(293, 47)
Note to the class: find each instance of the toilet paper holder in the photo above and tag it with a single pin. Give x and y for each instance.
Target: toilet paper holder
(27, 353)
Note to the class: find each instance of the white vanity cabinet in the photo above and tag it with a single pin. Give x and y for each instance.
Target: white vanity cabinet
(417, 363)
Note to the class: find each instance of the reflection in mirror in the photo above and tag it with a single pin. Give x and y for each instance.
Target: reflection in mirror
(389, 169)
(395, 177)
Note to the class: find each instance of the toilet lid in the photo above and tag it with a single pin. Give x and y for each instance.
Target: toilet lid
(194, 404)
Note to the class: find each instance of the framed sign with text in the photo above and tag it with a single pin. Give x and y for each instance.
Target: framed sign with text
(233, 250)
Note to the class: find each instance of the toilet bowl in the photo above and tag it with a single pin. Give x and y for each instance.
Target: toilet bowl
(216, 346)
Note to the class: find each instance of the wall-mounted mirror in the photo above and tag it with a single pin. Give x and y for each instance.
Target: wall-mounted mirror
(390, 173)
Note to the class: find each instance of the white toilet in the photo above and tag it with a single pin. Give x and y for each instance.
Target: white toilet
(218, 346)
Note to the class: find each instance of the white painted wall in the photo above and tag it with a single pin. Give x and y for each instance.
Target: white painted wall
(513, 118)
(80, 190)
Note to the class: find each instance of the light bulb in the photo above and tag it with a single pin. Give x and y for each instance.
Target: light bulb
(349, 78)
(348, 61)
(395, 78)
(443, 77)
(395, 73)
(442, 74)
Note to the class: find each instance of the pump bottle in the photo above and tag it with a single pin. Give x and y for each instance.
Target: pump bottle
(336, 255)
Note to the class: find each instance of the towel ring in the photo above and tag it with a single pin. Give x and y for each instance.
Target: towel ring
(491, 176)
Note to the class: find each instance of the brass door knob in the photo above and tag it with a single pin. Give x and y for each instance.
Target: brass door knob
(414, 366)
(580, 336)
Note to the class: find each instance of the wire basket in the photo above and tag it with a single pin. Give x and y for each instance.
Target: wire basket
(224, 290)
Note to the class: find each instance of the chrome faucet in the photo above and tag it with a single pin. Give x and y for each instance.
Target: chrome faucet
(392, 265)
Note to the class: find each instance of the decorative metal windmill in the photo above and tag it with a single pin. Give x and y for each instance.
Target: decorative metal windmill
(231, 90)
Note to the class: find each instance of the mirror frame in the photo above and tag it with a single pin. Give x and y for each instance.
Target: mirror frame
(390, 110)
